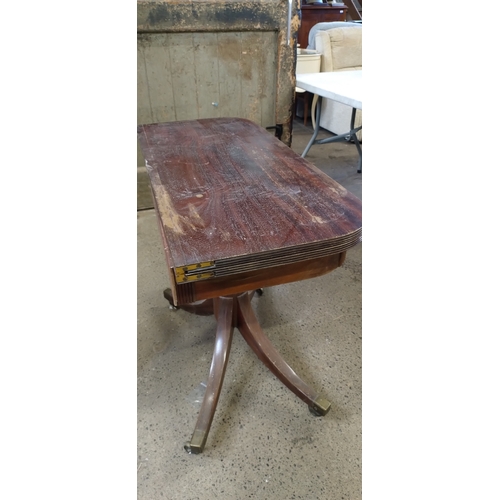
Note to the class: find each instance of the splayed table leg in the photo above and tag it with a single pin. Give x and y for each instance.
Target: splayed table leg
(251, 331)
(225, 308)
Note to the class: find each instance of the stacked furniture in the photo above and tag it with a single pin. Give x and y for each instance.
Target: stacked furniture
(312, 14)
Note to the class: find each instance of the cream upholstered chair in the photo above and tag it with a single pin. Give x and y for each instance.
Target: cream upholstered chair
(326, 26)
(340, 50)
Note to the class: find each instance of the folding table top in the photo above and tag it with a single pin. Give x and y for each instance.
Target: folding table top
(342, 86)
(232, 198)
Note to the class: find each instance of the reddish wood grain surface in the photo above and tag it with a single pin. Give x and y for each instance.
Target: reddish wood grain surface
(226, 187)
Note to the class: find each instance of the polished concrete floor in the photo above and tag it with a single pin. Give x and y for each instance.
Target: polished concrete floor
(264, 443)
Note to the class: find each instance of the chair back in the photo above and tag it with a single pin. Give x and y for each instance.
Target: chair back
(341, 48)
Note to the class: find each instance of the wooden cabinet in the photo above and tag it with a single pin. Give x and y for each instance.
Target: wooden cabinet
(314, 14)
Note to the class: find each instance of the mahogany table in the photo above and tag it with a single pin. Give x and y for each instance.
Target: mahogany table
(238, 210)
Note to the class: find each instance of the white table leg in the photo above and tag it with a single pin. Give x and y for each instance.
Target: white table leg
(313, 107)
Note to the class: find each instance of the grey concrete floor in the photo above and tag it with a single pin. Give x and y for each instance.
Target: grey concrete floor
(263, 443)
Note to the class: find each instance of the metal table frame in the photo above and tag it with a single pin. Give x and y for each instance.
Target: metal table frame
(337, 96)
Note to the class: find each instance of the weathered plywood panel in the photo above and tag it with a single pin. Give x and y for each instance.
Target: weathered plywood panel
(206, 64)
(211, 15)
(143, 104)
(230, 74)
(251, 75)
(184, 84)
(159, 77)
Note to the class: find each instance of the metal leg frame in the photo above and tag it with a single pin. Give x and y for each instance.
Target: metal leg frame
(351, 133)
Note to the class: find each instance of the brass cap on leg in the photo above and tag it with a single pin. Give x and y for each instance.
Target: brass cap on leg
(320, 407)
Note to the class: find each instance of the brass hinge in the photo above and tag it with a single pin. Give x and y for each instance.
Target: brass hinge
(195, 272)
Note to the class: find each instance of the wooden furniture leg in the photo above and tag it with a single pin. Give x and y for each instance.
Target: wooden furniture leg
(231, 311)
(225, 307)
(251, 331)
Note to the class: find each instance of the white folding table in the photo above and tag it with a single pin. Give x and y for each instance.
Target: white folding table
(341, 86)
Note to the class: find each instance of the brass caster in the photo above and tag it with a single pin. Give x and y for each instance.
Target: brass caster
(315, 412)
(320, 407)
(191, 450)
(168, 295)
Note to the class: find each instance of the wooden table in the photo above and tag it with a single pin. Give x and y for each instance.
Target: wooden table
(238, 210)
(341, 86)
